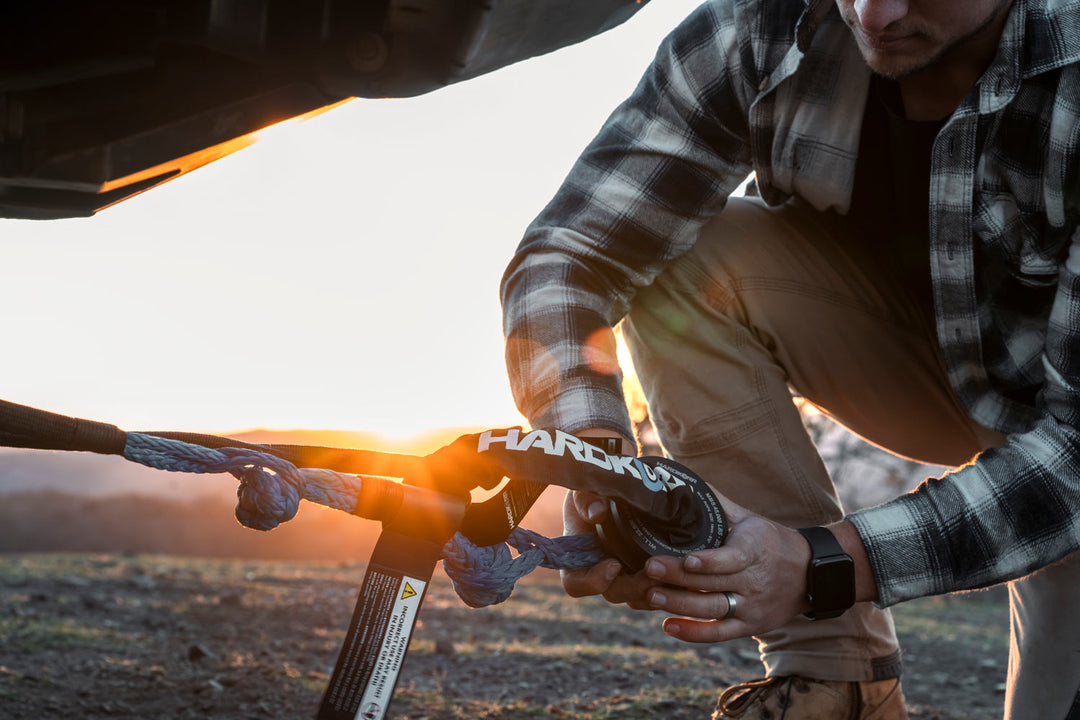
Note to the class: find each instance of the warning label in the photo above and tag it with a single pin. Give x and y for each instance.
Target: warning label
(367, 668)
(395, 642)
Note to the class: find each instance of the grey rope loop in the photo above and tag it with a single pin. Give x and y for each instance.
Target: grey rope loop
(485, 576)
(270, 488)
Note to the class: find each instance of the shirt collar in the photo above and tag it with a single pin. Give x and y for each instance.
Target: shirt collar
(1039, 36)
(809, 21)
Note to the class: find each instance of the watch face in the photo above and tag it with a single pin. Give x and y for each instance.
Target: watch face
(833, 581)
(830, 577)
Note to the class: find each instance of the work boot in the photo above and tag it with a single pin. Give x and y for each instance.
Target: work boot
(797, 698)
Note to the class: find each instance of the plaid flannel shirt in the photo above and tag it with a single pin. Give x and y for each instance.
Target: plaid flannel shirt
(777, 87)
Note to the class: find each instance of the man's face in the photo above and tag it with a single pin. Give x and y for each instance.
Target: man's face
(899, 37)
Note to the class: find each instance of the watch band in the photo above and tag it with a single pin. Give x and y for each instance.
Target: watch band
(830, 575)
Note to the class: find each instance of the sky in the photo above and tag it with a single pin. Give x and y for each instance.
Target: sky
(342, 273)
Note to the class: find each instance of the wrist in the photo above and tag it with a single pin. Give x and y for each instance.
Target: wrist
(848, 537)
(830, 575)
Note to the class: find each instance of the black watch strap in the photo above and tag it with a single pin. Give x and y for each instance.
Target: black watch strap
(830, 576)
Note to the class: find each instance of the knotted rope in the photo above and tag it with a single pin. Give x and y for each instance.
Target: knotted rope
(485, 576)
(271, 489)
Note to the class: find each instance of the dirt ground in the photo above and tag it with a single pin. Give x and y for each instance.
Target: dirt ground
(134, 636)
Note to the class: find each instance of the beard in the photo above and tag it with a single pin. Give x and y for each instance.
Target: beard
(927, 48)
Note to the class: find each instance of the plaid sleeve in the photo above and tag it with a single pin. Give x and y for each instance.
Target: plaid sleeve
(1009, 513)
(665, 160)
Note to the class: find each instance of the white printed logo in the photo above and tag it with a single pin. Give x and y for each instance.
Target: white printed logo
(655, 479)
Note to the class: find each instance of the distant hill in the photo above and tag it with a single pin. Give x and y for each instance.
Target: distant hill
(420, 444)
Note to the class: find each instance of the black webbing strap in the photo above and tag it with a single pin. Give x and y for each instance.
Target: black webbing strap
(387, 606)
(27, 427)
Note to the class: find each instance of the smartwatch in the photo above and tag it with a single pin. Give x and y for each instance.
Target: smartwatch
(830, 576)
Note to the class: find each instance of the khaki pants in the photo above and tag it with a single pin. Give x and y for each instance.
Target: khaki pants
(775, 299)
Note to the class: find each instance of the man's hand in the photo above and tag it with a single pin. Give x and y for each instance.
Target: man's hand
(581, 512)
(762, 564)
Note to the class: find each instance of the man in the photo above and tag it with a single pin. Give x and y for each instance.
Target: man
(910, 269)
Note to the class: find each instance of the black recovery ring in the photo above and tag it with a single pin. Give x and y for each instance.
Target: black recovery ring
(633, 536)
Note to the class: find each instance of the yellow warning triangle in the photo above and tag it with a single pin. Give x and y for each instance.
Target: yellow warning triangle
(408, 592)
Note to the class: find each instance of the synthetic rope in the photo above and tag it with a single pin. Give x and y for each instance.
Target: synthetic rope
(485, 576)
(271, 489)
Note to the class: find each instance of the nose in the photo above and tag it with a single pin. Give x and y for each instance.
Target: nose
(876, 15)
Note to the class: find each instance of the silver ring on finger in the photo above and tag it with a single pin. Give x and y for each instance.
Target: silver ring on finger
(731, 605)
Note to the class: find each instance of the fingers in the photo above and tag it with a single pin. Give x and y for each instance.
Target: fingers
(582, 510)
(704, 605)
(632, 590)
(591, 581)
(762, 568)
(598, 579)
(590, 506)
(711, 570)
(706, 617)
(705, 631)
(606, 578)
